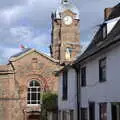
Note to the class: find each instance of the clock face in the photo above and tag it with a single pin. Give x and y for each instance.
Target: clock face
(67, 20)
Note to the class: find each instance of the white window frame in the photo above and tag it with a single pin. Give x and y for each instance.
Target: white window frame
(37, 94)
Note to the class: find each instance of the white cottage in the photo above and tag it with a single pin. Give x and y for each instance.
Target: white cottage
(67, 100)
(98, 72)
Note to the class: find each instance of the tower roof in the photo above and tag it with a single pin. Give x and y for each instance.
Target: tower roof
(64, 1)
(66, 5)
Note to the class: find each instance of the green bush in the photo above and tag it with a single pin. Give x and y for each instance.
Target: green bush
(49, 101)
(49, 104)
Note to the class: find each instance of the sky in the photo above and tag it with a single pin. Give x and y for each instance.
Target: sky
(28, 22)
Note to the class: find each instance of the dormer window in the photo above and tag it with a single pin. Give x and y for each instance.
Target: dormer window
(104, 31)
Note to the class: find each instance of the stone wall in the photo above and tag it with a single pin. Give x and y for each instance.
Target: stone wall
(14, 82)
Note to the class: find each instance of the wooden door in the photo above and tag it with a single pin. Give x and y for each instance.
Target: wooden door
(91, 111)
(33, 117)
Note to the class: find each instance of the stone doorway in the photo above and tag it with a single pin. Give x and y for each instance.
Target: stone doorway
(33, 117)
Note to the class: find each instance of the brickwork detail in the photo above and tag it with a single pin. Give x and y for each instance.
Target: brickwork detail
(15, 80)
(65, 36)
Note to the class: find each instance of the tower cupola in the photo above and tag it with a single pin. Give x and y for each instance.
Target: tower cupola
(65, 42)
(66, 5)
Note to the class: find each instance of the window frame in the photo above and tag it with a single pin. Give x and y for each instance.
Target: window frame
(84, 113)
(92, 110)
(71, 114)
(83, 76)
(68, 50)
(65, 85)
(33, 92)
(102, 111)
(59, 115)
(64, 115)
(104, 30)
(115, 111)
(102, 70)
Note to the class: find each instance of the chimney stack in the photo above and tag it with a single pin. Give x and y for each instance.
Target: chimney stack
(107, 13)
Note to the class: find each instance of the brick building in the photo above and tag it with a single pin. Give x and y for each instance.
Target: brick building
(30, 72)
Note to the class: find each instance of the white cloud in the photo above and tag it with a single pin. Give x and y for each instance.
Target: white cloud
(41, 40)
(10, 3)
(6, 53)
(28, 22)
(10, 15)
(21, 33)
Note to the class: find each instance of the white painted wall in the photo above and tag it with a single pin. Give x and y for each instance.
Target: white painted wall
(71, 102)
(111, 24)
(108, 91)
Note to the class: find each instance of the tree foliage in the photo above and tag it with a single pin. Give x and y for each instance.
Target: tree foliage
(49, 104)
(49, 101)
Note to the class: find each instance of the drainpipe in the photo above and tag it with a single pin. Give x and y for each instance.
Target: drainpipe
(77, 68)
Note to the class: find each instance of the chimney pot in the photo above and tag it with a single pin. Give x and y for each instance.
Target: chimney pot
(107, 13)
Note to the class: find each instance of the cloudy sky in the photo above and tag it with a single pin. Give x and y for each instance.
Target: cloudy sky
(28, 22)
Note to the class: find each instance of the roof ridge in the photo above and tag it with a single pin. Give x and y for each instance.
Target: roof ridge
(26, 51)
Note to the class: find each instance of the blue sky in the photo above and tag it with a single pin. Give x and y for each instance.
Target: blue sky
(28, 22)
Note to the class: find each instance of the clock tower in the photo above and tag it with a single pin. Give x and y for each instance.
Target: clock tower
(65, 43)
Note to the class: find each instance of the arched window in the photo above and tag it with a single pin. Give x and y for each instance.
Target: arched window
(33, 96)
(68, 53)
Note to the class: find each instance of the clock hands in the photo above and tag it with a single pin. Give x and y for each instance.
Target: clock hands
(67, 20)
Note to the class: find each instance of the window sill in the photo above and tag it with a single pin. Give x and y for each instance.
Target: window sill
(32, 105)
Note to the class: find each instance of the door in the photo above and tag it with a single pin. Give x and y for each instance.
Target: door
(103, 111)
(115, 111)
(33, 117)
(91, 111)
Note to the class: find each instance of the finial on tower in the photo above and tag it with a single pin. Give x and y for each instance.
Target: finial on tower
(65, 1)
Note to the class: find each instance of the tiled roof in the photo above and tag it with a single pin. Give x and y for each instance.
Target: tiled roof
(27, 51)
(98, 43)
(22, 52)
